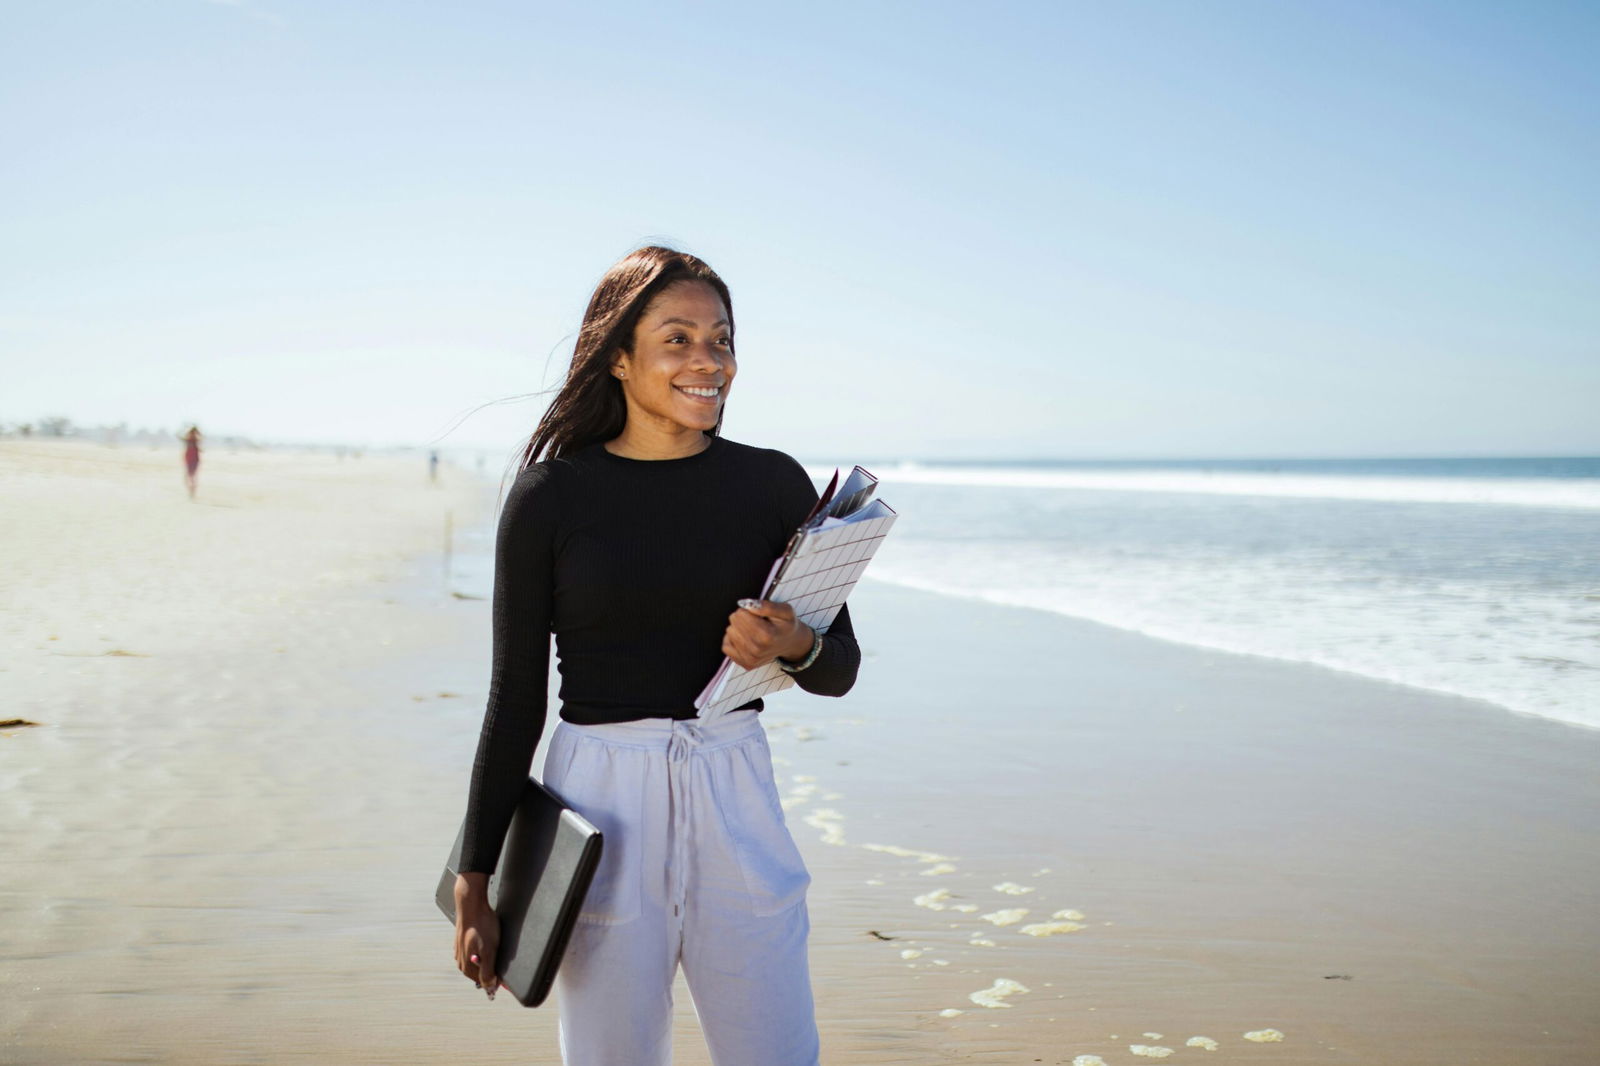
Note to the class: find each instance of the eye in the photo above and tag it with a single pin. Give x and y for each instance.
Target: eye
(725, 341)
(677, 338)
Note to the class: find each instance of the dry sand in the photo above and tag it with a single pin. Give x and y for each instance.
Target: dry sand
(222, 848)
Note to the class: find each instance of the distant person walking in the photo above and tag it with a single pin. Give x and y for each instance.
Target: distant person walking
(433, 466)
(191, 458)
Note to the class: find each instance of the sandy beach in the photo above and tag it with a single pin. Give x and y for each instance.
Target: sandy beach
(257, 715)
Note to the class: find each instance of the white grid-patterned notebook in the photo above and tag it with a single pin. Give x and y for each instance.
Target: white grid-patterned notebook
(825, 559)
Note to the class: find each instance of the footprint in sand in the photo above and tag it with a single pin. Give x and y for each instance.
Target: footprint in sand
(995, 995)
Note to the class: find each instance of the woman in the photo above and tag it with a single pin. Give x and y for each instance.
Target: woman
(191, 459)
(633, 541)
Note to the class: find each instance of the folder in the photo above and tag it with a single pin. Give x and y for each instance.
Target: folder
(537, 889)
(823, 561)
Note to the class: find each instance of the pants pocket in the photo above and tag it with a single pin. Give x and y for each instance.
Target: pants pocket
(774, 872)
(594, 780)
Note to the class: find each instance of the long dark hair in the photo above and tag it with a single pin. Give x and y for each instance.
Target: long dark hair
(590, 408)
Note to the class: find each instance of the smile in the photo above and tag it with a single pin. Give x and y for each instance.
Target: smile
(703, 393)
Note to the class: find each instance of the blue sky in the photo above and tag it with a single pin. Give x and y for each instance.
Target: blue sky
(1078, 230)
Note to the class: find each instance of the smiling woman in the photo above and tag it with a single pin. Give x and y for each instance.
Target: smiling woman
(677, 376)
(633, 532)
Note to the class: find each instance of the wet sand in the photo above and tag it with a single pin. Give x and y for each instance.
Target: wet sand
(221, 847)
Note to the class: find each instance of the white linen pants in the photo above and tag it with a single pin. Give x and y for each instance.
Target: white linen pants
(697, 867)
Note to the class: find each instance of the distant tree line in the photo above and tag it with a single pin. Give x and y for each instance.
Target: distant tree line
(59, 426)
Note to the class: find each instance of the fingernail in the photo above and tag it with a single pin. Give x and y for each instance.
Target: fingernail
(749, 604)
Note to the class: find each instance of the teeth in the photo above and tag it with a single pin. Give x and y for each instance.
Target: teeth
(708, 393)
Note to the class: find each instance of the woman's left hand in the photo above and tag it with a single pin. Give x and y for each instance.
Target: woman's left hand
(766, 631)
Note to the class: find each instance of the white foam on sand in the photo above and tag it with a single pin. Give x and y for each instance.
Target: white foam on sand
(950, 1012)
(980, 942)
(934, 900)
(827, 820)
(801, 793)
(1201, 1041)
(1008, 916)
(938, 868)
(995, 995)
(964, 908)
(910, 953)
(1088, 1060)
(1011, 888)
(1068, 916)
(1264, 1036)
(907, 853)
(1050, 928)
(1150, 1052)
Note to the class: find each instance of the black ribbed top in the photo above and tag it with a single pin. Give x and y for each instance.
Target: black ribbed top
(634, 565)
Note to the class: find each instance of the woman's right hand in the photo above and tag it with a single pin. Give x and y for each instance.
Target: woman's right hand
(477, 931)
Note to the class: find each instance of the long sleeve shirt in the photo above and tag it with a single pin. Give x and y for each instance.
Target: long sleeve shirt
(635, 566)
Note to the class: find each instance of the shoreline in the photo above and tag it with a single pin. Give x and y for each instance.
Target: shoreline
(1423, 690)
(227, 853)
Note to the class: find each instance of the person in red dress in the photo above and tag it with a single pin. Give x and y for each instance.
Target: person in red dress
(191, 458)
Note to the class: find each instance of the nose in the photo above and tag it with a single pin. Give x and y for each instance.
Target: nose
(710, 357)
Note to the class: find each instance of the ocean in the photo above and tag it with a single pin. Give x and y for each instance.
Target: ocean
(1478, 577)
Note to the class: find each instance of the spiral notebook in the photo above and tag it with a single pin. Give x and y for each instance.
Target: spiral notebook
(823, 561)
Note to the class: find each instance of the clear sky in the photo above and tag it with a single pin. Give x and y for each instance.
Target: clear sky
(951, 229)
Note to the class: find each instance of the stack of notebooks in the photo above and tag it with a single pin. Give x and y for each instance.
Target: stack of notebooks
(825, 558)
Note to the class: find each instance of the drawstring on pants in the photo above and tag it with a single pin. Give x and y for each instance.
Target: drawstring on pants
(681, 746)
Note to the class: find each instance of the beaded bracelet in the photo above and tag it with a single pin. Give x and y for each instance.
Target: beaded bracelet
(816, 649)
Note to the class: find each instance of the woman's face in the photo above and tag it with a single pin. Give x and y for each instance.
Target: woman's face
(678, 375)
